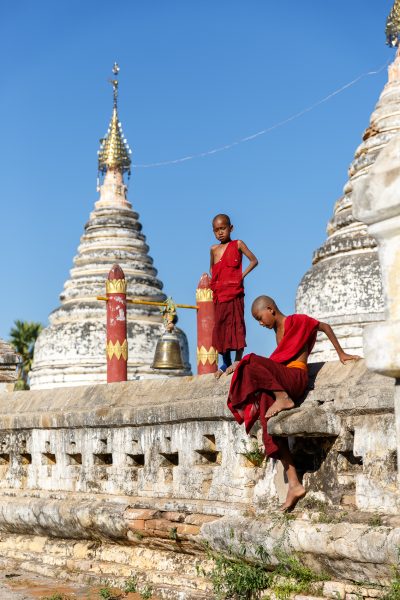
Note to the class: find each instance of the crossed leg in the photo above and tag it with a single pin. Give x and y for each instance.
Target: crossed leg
(282, 402)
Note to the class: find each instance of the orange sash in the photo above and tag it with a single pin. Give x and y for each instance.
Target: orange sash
(297, 364)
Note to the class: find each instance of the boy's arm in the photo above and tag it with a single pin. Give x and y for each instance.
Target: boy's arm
(343, 356)
(211, 260)
(252, 258)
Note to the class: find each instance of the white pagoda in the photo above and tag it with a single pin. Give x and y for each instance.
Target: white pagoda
(344, 287)
(71, 350)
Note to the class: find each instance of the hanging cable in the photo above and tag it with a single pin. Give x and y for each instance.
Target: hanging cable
(253, 136)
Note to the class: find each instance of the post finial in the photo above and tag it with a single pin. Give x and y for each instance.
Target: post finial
(393, 26)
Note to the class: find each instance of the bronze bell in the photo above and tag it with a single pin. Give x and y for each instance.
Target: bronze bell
(168, 352)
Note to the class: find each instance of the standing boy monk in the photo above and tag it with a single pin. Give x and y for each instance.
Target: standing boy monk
(228, 292)
(263, 387)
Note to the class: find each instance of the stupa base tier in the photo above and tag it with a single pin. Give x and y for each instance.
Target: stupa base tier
(60, 377)
(74, 353)
(350, 335)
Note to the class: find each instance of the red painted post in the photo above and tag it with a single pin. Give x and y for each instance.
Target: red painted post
(207, 356)
(117, 345)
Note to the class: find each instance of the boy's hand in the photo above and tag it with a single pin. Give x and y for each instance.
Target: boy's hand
(344, 357)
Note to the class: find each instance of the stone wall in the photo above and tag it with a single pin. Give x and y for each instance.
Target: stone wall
(99, 483)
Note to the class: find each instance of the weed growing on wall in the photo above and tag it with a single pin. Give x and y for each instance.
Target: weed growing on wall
(237, 579)
(234, 578)
(253, 453)
(56, 596)
(394, 591)
(131, 585)
(375, 521)
(292, 577)
(146, 592)
(325, 514)
(313, 503)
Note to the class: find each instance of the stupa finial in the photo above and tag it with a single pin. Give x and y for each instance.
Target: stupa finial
(114, 83)
(114, 150)
(393, 26)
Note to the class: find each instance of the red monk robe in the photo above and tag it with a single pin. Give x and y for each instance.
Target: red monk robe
(229, 331)
(256, 378)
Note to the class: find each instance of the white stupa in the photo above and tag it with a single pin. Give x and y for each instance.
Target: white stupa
(71, 350)
(343, 287)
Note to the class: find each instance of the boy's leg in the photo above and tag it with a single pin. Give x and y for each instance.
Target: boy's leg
(282, 402)
(296, 490)
(238, 358)
(226, 363)
(226, 358)
(239, 355)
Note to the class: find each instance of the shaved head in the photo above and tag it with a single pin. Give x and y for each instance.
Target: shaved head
(223, 217)
(263, 302)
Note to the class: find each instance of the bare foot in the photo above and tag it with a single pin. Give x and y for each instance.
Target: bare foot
(293, 496)
(218, 374)
(282, 402)
(232, 368)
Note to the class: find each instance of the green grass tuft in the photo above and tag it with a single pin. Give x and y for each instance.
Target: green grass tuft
(254, 453)
(146, 592)
(233, 577)
(55, 596)
(375, 521)
(131, 585)
(394, 591)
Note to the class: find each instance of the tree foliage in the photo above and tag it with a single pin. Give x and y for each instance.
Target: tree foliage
(23, 336)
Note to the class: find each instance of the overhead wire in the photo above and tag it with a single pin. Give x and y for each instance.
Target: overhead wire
(262, 132)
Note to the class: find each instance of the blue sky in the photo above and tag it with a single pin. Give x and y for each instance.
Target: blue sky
(194, 75)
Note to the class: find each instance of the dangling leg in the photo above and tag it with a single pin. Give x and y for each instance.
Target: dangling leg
(277, 447)
(296, 491)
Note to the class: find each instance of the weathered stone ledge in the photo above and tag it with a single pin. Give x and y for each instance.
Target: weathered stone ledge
(172, 575)
(101, 520)
(338, 391)
(353, 552)
(306, 422)
(98, 542)
(351, 388)
(135, 402)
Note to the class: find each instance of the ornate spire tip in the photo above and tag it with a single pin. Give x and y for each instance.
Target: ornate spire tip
(114, 150)
(393, 26)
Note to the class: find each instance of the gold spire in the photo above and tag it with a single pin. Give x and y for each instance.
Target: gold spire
(393, 25)
(114, 150)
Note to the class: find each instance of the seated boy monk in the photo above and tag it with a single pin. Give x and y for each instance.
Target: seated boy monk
(229, 331)
(263, 387)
